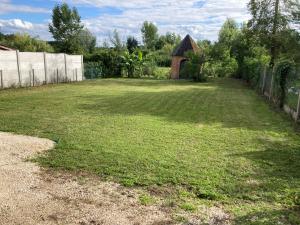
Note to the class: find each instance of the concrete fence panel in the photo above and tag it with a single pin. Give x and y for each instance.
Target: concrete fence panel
(55, 68)
(9, 68)
(32, 68)
(37, 68)
(74, 67)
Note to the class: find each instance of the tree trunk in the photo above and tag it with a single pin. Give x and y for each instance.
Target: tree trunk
(274, 33)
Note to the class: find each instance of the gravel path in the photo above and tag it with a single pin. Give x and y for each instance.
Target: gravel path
(29, 195)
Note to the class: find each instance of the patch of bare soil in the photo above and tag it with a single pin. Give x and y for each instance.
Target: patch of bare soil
(29, 195)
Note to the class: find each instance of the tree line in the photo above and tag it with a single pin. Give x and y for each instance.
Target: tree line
(270, 38)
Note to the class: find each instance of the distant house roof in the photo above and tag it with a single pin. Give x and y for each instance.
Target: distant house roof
(3, 48)
(187, 44)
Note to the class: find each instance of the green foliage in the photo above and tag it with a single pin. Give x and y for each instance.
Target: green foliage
(228, 33)
(284, 77)
(146, 199)
(65, 28)
(188, 207)
(93, 70)
(87, 41)
(253, 64)
(132, 44)
(149, 64)
(116, 41)
(110, 60)
(221, 60)
(149, 34)
(192, 68)
(167, 39)
(25, 43)
(132, 63)
(162, 73)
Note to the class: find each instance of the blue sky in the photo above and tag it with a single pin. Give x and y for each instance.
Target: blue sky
(200, 18)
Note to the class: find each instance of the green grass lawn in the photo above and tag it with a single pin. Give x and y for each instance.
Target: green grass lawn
(219, 140)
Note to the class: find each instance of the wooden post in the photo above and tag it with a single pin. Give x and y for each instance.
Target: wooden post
(76, 74)
(45, 67)
(33, 78)
(298, 108)
(1, 79)
(57, 75)
(18, 67)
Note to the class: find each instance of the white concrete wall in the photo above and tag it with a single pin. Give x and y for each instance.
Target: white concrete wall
(32, 68)
(9, 68)
(37, 68)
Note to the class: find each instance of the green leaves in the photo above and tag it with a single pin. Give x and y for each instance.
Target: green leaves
(65, 28)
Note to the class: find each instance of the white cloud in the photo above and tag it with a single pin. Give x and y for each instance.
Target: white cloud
(17, 25)
(7, 7)
(200, 18)
(170, 15)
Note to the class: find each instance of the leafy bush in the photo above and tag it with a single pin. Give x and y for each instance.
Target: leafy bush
(110, 59)
(162, 73)
(93, 70)
(25, 43)
(192, 69)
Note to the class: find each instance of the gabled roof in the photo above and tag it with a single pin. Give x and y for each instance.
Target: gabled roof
(187, 44)
(3, 48)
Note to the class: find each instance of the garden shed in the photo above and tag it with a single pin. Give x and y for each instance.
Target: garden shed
(178, 56)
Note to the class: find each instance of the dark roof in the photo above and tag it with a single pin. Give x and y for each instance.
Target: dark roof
(187, 44)
(5, 48)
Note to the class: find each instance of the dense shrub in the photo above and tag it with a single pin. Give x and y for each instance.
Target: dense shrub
(192, 69)
(93, 70)
(110, 59)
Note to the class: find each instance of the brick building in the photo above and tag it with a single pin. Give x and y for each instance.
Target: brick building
(178, 56)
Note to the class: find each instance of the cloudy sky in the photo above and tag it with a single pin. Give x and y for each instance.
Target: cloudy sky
(200, 18)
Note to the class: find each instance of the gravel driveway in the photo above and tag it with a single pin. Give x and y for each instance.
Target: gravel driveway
(29, 195)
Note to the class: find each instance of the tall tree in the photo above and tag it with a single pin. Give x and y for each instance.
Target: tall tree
(131, 44)
(269, 19)
(228, 33)
(150, 35)
(116, 41)
(87, 41)
(65, 28)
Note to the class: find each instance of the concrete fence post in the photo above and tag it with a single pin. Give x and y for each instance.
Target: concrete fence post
(45, 68)
(33, 78)
(18, 67)
(30, 82)
(66, 68)
(57, 81)
(1, 79)
(298, 108)
(82, 68)
(264, 79)
(272, 83)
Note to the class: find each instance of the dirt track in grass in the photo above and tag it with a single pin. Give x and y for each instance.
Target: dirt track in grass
(29, 195)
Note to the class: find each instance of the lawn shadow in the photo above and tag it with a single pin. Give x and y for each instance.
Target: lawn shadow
(277, 175)
(227, 103)
(289, 216)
